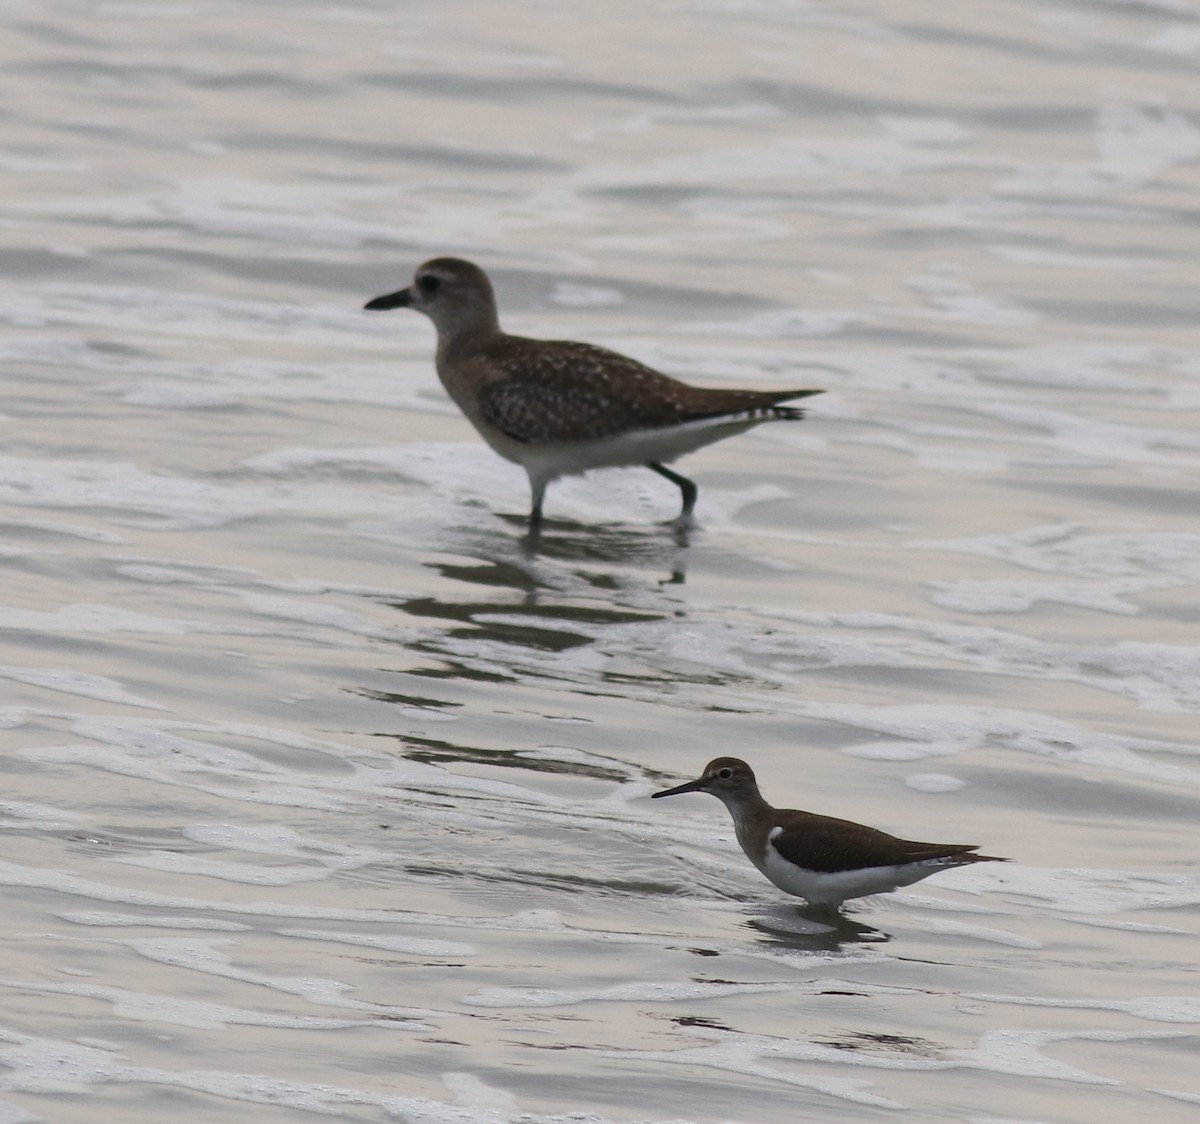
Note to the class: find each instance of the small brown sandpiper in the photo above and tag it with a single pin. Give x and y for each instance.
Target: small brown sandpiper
(557, 407)
(819, 858)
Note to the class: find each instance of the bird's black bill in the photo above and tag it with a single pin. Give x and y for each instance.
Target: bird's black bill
(398, 299)
(691, 786)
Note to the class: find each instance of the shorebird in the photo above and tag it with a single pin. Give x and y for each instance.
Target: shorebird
(819, 858)
(557, 407)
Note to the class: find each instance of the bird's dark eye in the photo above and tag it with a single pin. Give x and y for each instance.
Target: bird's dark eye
(725, 774)
(428, 284)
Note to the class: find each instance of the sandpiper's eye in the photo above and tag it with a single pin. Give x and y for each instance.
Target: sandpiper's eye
(428, 284)
(725, 774)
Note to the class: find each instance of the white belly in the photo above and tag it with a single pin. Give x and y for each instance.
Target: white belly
(548, 462)
(833, 888)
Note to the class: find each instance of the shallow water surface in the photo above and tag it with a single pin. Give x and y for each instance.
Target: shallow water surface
(327, 792)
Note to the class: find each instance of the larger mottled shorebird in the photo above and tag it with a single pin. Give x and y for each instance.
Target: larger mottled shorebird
(557, 407)
(819, 858)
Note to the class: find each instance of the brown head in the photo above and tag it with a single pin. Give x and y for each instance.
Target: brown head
(455, 294)
(729, 779)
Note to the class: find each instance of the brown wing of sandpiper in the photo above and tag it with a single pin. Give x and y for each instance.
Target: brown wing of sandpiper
(827, 845)
(549, 391)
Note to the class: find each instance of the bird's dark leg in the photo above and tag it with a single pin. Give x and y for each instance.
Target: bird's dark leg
(533, 533)
(689, 490)
(538, 488)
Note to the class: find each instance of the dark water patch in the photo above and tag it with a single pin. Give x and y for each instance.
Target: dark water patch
(547, 880)
(434, 752)
(878, 1043)
(418, 701)
(283, 84)
(1109, 55)
(971, 42)
(400, 155)
(545, 628)
(39, 265)
(1060, 120)
(801, 99)
(108, 81)
(805, 928)
(914, 238)
(700, 1021)
(661, 681)
(490, 573)
(56, 34)
(496, 89)
(1117, 313)
(542, 606)
(451, 669)
(566, 541)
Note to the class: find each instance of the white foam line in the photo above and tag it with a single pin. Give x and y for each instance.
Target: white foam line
(37, 817)
(88, 618)
(1000, 1051)
(72, 530)
(247, 874)
(1064, 548)
(745, 1053)
(143, 747)
(177, 1011)
(1153, 1008)
(106, 918)
(55, 881)
(405, 945)
(164, 502)
(1016, 1053)
(1075, 891)
(198, 955)
(983, 933)
(77, 683)
(57, 1067)
(1129, 926)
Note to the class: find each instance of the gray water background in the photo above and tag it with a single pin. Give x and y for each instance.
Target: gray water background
(324, 798)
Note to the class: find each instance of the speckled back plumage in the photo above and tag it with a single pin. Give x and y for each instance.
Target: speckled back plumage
(558, 390)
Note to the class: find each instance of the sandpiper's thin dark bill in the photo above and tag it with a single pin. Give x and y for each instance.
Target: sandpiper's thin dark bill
(697, 785)
(557, 407)
(824, 860)
(398, 299)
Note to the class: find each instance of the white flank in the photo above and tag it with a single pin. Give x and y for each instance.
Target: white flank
(638, 447)
(833, 888)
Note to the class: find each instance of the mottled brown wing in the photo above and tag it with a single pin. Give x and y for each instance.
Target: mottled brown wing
(559, 390)
(829, 845)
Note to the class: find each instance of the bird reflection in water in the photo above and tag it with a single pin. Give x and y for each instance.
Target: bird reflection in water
(813, 929)
(659, 546)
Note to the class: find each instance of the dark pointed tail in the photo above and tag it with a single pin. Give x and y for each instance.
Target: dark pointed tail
(788, 413)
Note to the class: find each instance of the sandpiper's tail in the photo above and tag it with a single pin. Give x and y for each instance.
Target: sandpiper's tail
(947, 854)
(764, 405)
(786, 413)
